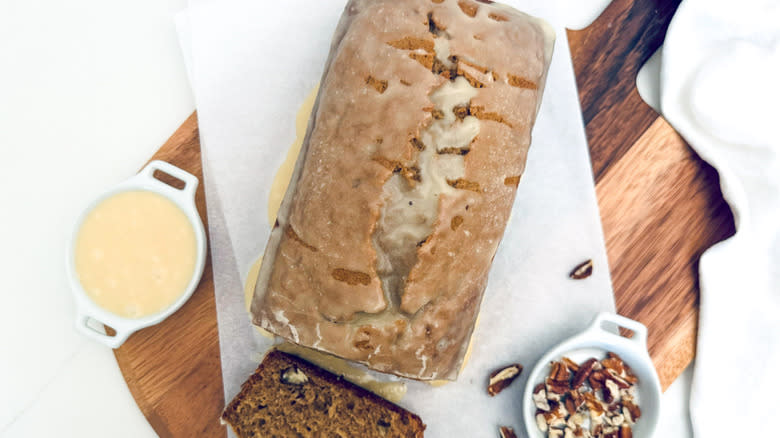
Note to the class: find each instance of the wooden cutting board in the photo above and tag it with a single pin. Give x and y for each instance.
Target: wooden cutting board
(661, 207)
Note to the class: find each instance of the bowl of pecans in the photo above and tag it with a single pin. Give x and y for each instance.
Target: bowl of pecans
(599, 383)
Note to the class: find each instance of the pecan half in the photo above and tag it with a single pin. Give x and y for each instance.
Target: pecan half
(570, 364)
(583, 372)
(583, 270)
(560, 372)
(577, 399)
(503, 377)
(556, 387)
(594, 405)
(540, 398)
(506, 432)
(610, 391)
(622, 368)
(614, 364)
(619, 381)
(596, 379)
(294, 376)
(633, 411)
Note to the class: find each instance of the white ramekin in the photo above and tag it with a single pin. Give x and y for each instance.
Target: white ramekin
(595, 341)
(87, 311)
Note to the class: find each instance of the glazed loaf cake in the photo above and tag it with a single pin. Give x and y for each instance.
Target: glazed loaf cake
(405, 182)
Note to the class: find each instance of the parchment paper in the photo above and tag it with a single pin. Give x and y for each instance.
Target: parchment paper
(251, 65)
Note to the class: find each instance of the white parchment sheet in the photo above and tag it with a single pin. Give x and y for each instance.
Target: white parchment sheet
(252, 64)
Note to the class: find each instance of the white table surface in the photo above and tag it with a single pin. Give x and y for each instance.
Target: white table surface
(89, 90)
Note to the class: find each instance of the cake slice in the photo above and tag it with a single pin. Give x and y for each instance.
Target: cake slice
(289, 397)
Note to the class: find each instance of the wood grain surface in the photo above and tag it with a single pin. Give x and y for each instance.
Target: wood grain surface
(173, 369)
(660, 204)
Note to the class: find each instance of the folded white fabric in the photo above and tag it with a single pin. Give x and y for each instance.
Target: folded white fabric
(720, 88)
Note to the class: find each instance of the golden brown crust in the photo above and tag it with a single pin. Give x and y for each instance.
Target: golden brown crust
(361, 135)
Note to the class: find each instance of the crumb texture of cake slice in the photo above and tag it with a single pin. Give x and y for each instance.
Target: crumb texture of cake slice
(289, 397)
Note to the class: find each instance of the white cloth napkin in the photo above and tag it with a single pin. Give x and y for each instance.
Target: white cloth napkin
(252, 63)
(720, 88)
